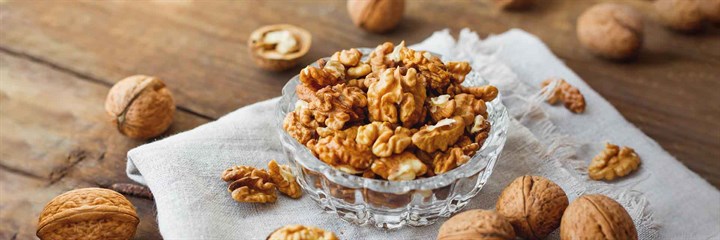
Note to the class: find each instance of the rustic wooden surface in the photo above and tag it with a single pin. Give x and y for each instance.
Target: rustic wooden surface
(58, 60)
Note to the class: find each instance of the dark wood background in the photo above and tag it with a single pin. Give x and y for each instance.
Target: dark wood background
(59, 58)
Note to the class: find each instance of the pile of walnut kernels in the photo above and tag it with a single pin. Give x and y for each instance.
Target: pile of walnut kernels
(400, 115)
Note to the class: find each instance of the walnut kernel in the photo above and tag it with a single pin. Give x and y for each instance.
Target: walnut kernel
(400, 167)
(282, 177)
(566, 93)
(248, 184)
(300, 232)
(613, 162)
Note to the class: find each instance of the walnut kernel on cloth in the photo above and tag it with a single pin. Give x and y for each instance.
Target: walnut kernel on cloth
(400, 167)
(613, 162)
(248, 184)
(566, 93)
(300, 232)
(283, 178)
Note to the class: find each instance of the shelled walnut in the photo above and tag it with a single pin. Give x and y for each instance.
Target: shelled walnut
(613, 162)
(278, 47)
(398, 114)
(566, 93)
(248, 184)
(534, 205)
(300, 232)
(282, 177)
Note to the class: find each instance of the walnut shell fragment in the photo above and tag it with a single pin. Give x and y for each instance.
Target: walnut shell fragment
(534, 205)
(596, 217)
(477, 225)
(278, 47)
(141, 106)
(300, 232)
(88, 213)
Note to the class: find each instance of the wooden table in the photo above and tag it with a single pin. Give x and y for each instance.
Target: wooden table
(58, 60)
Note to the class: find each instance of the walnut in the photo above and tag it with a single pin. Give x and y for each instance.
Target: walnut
(399, 167)
(248, 184)
(140, 106)
(449, 160)
(338, 105)
(481, 129)
(611, 30)
(376, 16)
(467, 107)
(681, 15)
(384, 140)
(327, 74)
(88, 213)
(711, 10)
(379, 60)
(476, 224)
(534, 206)
(566, 93)
(340, 150)
(613, 162)
(278, 47)
(301, 132)
(458, 70)
(436, 74)
(300, 232)
(441, 107)
(348, 58)
(397, 97)
(486, 93)
(282, 177)
(359, 71)
(596, 217)
(439, 136)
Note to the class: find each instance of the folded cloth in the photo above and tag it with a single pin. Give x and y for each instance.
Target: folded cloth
(664, 198)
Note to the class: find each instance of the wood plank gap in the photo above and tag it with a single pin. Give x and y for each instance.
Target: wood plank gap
(21, 172)
(83, 76)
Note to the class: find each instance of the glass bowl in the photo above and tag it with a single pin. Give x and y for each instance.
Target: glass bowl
(393, 204)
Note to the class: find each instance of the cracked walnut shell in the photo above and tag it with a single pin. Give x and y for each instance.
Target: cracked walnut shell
(283, 178)
(534, 205)
(88, 213)
(613, 162)
(400, 167)
(140, 106)
(596, 217)
(300, 232)
(278, 47)
(476, 224)
(248, 184)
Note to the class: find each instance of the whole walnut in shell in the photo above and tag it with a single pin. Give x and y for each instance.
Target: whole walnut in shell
(611, 30)
(88, 213)
(476, 224)
(141, 106)
(597, 217)
(534, 206)
(680, 15)
(376, 16)
(711, 10)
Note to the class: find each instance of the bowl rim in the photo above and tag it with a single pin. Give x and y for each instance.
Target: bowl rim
(490, 151)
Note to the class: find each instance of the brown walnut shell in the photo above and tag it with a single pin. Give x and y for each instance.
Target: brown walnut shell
(272, 60)
(534, 206)
(514, 4)
(376, 16)
(140, 106)
(476, 224)
(611, 30)
(597, 217)
(88, 213)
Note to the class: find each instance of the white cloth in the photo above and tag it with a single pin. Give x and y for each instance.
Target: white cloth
(665, 199)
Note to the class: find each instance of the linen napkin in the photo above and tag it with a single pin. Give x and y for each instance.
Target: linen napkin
(664, 198)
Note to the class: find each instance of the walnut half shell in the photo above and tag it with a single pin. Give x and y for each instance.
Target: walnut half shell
(278, 47)
(88, 213)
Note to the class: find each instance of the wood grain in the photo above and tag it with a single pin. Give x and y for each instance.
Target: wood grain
(59, 58)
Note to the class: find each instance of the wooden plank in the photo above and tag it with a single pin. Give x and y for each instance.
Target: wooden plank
(55, 137)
